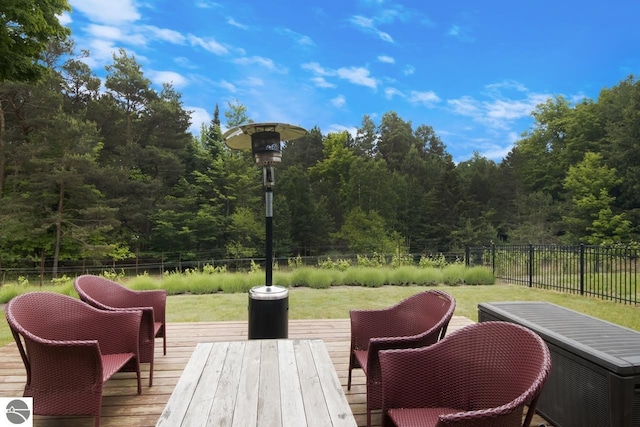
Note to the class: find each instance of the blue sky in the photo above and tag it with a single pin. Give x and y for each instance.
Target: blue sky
(473, 70)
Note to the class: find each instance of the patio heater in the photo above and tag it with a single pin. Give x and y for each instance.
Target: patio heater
(268, 304)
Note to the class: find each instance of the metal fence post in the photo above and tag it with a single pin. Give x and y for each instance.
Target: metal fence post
(493, 259)
(581, 268)
(467, 252)
(530, 265)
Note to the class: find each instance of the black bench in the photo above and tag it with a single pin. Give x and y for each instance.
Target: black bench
(595, 373)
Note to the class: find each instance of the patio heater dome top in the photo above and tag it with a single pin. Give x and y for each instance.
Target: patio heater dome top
(239, 137)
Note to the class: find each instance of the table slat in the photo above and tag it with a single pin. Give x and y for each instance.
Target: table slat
(293, 413)
(245, 413)
(337, 403)
(226, 392)
(178, 403)
(205, 392)
(269, 413)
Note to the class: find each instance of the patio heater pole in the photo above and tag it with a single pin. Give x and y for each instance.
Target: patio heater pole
(267, 173)
(268, 304)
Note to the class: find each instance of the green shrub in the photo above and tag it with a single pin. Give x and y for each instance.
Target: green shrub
(413, 275)
(366, 276)
(327, 278)
(211, 269)
(255, 268)
(432, 261)
(294, 263)
(142, 283)
(339, 264)
(201, 284)
(400, 260)
(479, 276)
(282, 278)
(303, 276)
(175, 284)
(453, 274)
(113, 275)
(64, 280)
(237, 282)
(377, 260)
(9, 291)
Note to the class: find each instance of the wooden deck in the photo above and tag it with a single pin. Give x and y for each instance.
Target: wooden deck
(121, 406)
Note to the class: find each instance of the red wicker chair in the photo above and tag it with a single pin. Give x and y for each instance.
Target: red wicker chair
(482, 375)
(106, 294)
(70, 350)
(417, 321)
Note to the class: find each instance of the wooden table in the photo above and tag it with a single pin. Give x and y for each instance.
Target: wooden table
(258, 383)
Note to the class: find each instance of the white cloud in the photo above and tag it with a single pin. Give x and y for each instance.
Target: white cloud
(337, 128)
(107, 11)
(496, 89)
(110, 32)
(498, 111)
(64, 19)
(199, 116)
(428, 98)
(339, 101)
(253, 60)
(461, 33)
(465, 106)
(298, 38)
(165, 34)
(390, 92)
(206, 4)
(226, 85)
(115, 33)
(321, 82)
(184, 62)
(368, 25)
(386, 59)
(236, 24)
(252, 81)
(160, 77)
(357, 75)
(317, 69)
(209, 45)
(494, 151)
(408, 70)
(101, 52)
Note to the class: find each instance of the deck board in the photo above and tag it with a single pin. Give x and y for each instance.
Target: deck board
(122, 406)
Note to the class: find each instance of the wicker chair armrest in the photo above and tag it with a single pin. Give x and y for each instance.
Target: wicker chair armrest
(77, 362)
(388, 343)
(366, 324)
(147, 320)
(509, 414)
(156, 299)
(115, 331)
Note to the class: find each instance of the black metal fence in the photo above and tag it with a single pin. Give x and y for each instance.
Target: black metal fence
(41, 271)
(601, 271)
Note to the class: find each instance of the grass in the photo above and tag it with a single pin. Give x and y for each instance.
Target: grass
(336, 301)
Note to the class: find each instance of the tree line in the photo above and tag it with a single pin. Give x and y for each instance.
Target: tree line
(93, 169)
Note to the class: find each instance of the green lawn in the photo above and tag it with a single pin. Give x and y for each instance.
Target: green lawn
(335, 303)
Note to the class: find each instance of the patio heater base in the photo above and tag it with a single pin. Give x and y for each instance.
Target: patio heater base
(268, 312)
